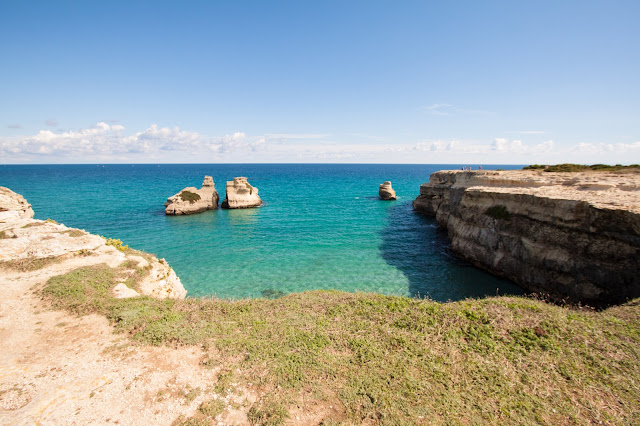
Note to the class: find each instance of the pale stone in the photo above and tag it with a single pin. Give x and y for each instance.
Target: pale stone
(176, 205)
(45, 239)
(241, 195)
(574, 236)
(386, 192)
(121, 291)
(13, 207)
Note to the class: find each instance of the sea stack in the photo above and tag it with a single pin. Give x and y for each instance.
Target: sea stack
(191, 200)
(386, 192)
(241, 195)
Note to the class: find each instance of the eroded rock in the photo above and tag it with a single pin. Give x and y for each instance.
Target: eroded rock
(192, 200)
(574, 236)
(241, 195)
(386, 191)
(13, 206)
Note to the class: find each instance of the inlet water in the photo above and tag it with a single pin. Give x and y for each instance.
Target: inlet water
(322, 226)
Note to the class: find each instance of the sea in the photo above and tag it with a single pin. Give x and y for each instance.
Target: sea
(322, 226)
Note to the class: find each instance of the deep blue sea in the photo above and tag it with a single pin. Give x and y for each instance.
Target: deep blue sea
(322, 226)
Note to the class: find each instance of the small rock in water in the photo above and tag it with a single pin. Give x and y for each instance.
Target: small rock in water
(386, 192)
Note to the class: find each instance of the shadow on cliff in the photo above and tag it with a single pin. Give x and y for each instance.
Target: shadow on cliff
(414, 244)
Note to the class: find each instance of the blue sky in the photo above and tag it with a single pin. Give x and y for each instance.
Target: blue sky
(324, 81)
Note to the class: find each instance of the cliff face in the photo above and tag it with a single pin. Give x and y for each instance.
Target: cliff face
(574, 236)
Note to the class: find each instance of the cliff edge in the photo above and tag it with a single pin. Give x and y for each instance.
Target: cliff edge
(29, 245)
(574, 236)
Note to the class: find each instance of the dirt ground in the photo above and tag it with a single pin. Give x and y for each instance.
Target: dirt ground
(56, 368)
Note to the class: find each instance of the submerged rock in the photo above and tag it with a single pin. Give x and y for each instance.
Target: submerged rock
(386, 192)
(191, 200)
(241, 195)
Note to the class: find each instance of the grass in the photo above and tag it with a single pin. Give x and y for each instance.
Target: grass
(567, 167)
(75, 233)
(28, 264)
(391, 360)
(189, 196)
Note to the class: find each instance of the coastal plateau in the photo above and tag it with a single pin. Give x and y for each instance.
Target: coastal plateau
(573, 236)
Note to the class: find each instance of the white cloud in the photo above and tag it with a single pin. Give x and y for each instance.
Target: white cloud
(111, 143)
(516, 146)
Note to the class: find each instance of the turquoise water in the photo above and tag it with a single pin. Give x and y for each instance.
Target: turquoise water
(322, 227)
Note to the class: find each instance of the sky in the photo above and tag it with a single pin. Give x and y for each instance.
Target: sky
(466, 82)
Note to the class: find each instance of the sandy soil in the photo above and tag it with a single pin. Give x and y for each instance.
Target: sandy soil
(59, 369)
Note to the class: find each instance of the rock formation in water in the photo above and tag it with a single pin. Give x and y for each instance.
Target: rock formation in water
(574, 236)
(386, 192)
(191, 200)
(58, 249)
(241, 195)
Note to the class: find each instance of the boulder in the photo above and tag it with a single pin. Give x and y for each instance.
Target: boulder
(386, 192)
(241, 195)
(191, 200)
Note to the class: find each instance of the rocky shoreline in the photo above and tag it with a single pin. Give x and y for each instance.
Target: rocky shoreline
(573, 236)
(31, 244)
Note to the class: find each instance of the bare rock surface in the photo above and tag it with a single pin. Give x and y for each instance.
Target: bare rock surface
(386, 191)
(13, 206)
(192, 200)
(241, 195)
(574, 236)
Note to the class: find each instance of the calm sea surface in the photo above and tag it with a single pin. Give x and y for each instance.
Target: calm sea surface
(322, 226)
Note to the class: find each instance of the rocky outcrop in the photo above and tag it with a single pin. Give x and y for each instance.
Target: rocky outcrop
(386, 192)
(28, 244)
(241, 195)
(191, 200)
(13, 206)
(574, 236)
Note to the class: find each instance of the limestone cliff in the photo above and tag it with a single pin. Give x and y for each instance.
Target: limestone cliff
(192, 200)
(574, 236)
(29, 245)
(241, 195)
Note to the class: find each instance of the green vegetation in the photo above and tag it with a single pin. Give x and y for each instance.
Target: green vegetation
(33, 224)
(583, 168)
(498, 212)
(189, 196)
(392, 360)
(117, 244)
(4, 235)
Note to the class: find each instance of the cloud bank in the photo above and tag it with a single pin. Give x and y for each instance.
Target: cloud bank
(110, 143)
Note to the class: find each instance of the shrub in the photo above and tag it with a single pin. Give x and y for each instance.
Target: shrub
(117, 244)
(189, 196)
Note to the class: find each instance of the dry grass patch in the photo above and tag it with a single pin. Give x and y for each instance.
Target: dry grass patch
(28, 264)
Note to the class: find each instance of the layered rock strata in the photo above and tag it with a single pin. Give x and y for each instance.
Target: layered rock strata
(24, 240)
(386, 191)
(192, 200)
(241, 195)
(574, 236)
